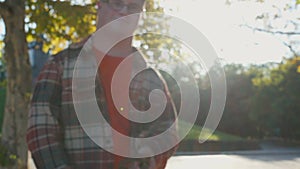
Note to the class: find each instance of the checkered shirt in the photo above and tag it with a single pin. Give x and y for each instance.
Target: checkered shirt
(57, 140)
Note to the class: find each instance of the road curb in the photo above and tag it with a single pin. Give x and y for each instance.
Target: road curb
(250, 152)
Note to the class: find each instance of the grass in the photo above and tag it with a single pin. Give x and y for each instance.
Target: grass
(195, 131)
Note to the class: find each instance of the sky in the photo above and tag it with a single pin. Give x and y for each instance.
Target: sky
(221, 24)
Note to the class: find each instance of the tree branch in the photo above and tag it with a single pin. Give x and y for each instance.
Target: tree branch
(272, 32)
(291, 48)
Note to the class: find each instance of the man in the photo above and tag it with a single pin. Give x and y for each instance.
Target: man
(55, 136)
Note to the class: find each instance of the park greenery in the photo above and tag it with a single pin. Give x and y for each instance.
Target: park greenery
(262, 100)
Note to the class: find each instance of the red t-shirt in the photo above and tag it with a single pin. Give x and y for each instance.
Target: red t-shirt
(118, 122)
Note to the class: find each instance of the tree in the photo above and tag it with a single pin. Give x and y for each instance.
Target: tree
(275, 105)
(18, 84)
(282, 22)
(158, 24)
(61, 22)
(236, 114)
(54, 19)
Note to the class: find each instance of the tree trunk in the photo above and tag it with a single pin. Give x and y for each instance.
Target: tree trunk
(19, 82)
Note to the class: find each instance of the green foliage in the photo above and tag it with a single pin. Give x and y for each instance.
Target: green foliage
(1, 50)
(262, 100)
(276, 102)
(235, 119)
(7, 158)
(63, 21)
(158, 26)
(59, 21)
(239, 91)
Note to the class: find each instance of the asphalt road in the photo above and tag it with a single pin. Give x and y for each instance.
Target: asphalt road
(279, 160)
(270, 158)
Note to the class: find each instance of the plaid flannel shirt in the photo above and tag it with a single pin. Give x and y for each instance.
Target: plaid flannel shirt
(57, 140)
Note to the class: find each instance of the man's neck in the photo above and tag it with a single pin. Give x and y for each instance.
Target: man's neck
(122, 49)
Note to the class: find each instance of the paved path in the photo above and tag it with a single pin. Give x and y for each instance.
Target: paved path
(235, 162)
(239, 160)
(268, 158)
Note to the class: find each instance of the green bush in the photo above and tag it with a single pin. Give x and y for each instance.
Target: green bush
(7, 158)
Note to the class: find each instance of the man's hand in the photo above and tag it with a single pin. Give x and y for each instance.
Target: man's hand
(145, 163)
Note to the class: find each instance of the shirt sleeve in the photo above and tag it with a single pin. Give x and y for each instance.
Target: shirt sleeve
(44, 133)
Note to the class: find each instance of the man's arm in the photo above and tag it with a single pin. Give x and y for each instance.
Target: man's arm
(44, 133)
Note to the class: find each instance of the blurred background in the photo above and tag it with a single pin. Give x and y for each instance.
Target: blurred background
(257, 42)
